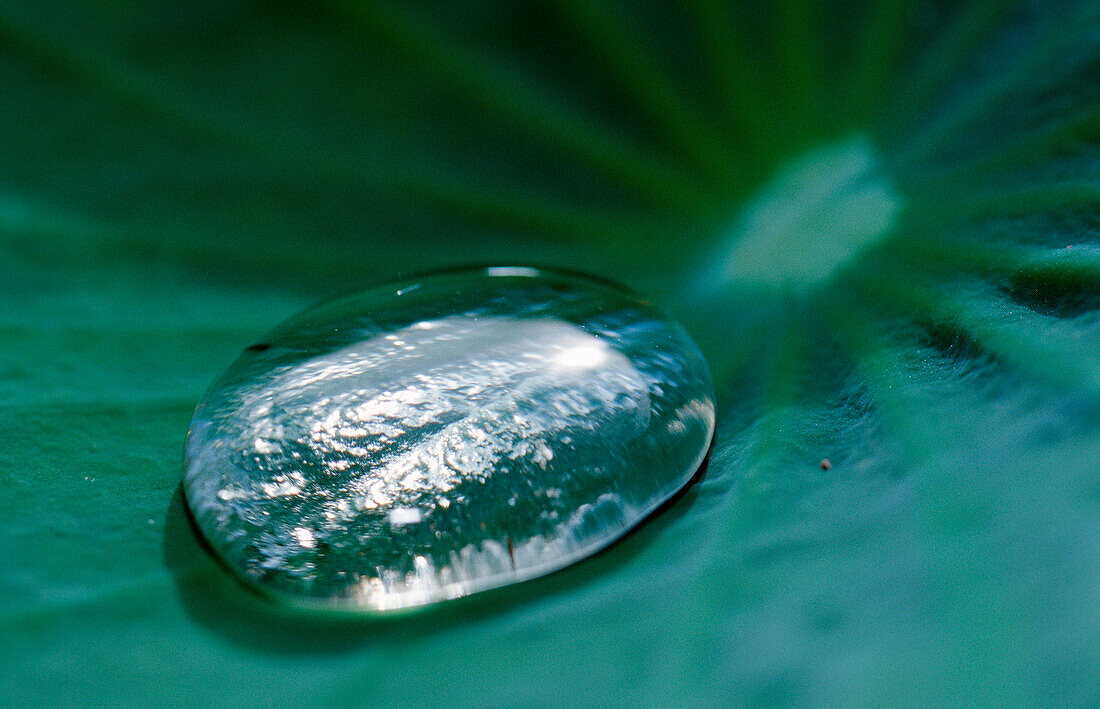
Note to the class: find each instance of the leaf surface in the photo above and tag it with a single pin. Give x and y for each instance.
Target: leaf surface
(178, 178)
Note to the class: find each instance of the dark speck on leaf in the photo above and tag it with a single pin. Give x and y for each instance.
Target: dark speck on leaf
(825, 464)
(258, 347)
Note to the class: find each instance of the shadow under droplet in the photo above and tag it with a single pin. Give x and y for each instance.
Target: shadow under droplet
(216, 600)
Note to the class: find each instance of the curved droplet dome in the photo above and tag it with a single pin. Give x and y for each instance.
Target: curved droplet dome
(444, 435)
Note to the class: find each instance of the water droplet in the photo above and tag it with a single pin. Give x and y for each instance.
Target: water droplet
(445, 435)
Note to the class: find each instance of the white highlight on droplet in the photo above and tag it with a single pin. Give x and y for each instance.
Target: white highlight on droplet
(304, 537)
(400, 516)
(513, 271)
(586, 355)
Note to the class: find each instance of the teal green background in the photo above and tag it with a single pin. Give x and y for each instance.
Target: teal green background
(177, 178)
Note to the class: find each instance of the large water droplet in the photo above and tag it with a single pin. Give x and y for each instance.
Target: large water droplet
(445, 435)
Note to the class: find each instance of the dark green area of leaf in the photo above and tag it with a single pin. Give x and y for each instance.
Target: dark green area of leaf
(176, 178)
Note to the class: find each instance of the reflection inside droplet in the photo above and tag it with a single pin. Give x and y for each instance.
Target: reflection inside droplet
(582, 356)
(439, 437)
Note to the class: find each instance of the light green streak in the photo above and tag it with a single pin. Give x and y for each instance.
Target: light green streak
(651, 83)
(938, 417)
(749, 118)
(23, 219)
(527, 209)
(944, 58)
(813, 218)
(900, 380)
(876, 58)
(951, 203)
(1080, 128)
(1044, 347)
(1034, 69)
(513, 97)
(798, 39)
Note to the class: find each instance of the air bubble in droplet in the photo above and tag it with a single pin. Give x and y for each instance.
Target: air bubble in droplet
(445, 435)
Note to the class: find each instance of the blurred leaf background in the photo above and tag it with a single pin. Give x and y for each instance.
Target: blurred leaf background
(177, 178)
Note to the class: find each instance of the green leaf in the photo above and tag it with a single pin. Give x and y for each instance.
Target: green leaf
(878, 218)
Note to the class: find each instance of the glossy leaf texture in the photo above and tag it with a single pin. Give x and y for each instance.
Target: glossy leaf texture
(879, 219)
